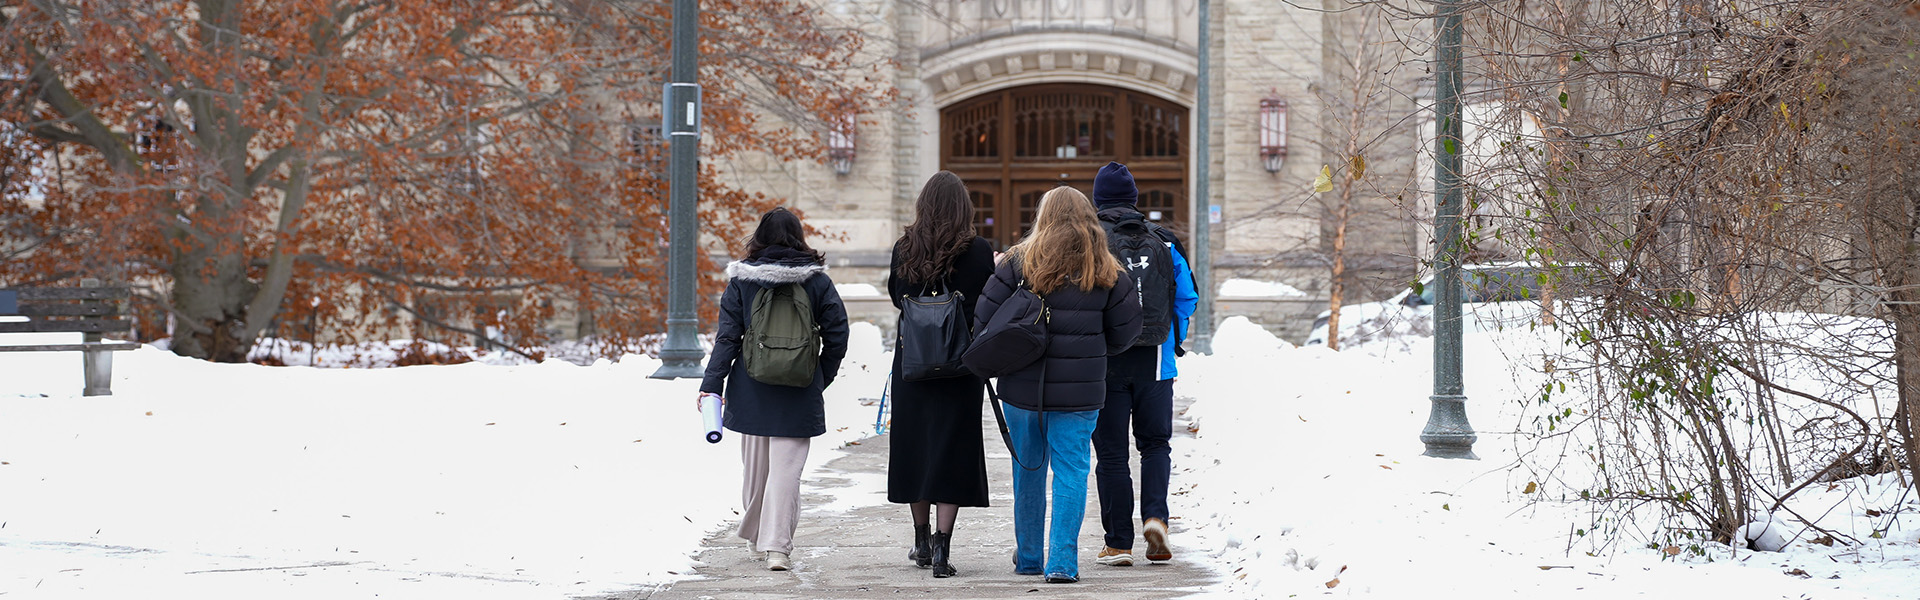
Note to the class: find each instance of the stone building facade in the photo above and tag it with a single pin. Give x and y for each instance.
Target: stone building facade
(1018, 96)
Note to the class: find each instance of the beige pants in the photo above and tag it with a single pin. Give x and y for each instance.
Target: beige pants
(771, 490)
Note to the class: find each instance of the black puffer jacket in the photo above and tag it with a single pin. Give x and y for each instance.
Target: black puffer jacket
(775, 410)
(1084, 328)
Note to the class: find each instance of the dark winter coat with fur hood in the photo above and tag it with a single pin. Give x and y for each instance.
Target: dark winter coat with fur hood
(756, 408)
(1083, 329)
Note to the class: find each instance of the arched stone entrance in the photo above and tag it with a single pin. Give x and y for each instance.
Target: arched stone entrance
(1010, 146)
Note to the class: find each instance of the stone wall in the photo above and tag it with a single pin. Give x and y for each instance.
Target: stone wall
(949, 50)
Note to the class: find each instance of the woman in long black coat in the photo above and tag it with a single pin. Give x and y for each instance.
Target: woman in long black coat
(937, 459)
(776, 423)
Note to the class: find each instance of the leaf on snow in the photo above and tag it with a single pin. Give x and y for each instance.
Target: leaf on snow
(1336, 577)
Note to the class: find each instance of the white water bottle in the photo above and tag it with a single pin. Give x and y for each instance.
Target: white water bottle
(710, 416)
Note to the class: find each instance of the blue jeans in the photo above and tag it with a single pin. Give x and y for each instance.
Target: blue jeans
(1065, 448)
(1148, 404)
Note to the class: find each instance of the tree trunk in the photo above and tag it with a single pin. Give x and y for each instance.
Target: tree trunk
(211, 289)
(1337, 288)
(210, 295)
(1906, 352)
(1903, 309)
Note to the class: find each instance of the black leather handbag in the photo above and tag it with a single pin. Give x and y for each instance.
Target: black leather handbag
(1013, 339)
(933, 336)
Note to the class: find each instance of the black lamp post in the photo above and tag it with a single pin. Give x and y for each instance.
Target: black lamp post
(680, 110)
(1448, 434)
(1202, 259)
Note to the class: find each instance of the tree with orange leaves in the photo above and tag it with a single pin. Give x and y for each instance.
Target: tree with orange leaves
(457, 164)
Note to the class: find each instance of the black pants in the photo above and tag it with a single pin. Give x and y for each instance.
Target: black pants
(1135, 398)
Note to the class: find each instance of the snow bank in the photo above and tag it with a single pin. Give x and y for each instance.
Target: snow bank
(1251, 288)
(529, 481)
(1305, 477)
(1242, 339)
(857, 290)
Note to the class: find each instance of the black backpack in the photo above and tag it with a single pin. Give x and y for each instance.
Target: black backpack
(933, 336)
(1142, 252)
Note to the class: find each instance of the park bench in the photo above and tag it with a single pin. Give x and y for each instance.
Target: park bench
(91, 310)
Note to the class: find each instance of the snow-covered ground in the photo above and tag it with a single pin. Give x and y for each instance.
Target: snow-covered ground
(474, 481)
(1306, 478)
(548, 480)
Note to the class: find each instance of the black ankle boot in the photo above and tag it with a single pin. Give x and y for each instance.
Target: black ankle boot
(922, 553)
(942, 550)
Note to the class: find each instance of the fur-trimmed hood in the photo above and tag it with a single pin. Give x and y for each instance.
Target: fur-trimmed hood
(773, 272)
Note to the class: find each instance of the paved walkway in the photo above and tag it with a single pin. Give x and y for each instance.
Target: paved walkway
(853, 544)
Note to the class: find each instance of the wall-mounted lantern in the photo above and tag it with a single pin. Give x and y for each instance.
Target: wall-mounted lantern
(1273, 132)
(840, 138)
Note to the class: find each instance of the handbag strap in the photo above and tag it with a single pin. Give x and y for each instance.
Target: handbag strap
(1006, 435)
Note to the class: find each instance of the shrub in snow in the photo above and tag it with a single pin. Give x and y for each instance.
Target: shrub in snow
(1686, 424)
(1769, 535)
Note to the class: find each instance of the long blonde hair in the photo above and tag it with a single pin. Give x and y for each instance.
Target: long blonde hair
(1066, 245)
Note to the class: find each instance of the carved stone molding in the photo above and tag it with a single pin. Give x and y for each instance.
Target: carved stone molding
(961, 75)
(956, 23)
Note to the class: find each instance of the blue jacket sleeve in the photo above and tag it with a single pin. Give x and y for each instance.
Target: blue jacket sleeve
(1185, 299)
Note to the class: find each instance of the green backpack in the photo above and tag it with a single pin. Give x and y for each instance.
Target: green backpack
(783, 342)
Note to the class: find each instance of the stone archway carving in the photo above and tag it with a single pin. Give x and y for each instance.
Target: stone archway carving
(1000, 63)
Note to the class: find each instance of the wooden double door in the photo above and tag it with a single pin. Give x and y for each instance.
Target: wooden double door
(1012, 146)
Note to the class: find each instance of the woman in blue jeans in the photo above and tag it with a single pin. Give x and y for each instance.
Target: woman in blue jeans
(1053, 405)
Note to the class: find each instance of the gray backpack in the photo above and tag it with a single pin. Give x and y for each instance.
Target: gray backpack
(782, 341)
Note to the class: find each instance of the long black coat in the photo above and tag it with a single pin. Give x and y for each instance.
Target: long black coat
(1084, 328)
(756, 408)
(936, 453)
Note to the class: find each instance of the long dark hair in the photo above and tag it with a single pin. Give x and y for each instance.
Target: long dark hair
(780, 227)
(942, 230)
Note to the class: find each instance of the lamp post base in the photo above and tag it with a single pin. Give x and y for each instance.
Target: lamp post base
(680, 356)
(1448, 435)
(679, 365)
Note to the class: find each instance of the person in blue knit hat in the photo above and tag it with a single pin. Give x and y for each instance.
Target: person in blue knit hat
(1140, 380)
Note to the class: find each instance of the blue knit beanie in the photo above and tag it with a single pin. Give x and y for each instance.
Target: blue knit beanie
(1114, 185)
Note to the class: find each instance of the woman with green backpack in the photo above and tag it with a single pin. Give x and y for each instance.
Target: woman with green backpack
(783, 331)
